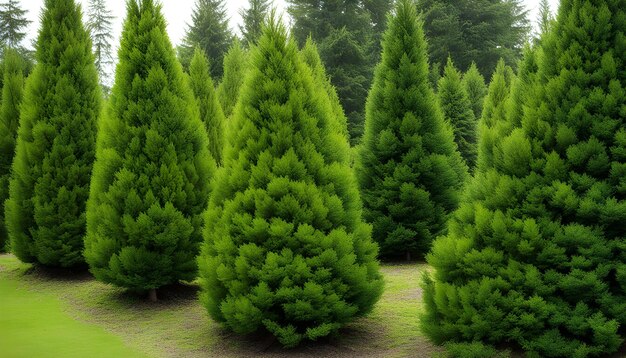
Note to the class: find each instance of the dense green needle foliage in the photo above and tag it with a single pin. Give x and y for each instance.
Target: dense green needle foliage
(12, 93)
(253, 18)
(311, 57)
(522, 87)
(480, 31)
(208, 30)
(493, 124)
(285, 247)
(150, 180)
(210, 109)
(457, 110)
(476, 89)
(235, 63)
(535, 256)
(45, 214)
(410, 171)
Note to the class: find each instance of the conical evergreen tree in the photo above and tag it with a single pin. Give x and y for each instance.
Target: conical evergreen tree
(493, 125)
(150, 180)
(45, 214)
(522, 87)
(253, 18)
(285, 247)
(311, 57)
(410, 171)
(9, 119)
(210, 109)
(476, 89)
(234, 73)
(536, 254)
(457, 110)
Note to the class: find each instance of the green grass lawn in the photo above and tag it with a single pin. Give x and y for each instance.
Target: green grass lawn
(59, 314)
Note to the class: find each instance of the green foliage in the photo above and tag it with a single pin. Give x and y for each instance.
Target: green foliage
(493, 125)
(9, 120)
(544, 21)
(210, 109)
(522, 86)
(535, 255)
(208, 30)
(45, 213)
(476, 89)
(235, 63)
(457, 110)
(473, 350)
(311, 57)
(346, 32)
(409, 170)
(285, 247)
(435, 75)
(481, 31)
(253, 18)
(12, 23)
(150, 180)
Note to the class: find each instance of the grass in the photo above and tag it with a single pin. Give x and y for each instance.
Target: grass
(52, 313)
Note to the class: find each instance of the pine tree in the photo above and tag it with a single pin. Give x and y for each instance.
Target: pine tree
(151, 177)
(100, 26)
(13, 21)
(410, 172)
(210, 110)
(535, 256)
(253, 18)
(482, 31)
(208, 30)
(457, 110)
(9, 119)
(476, 89)
(311, 57)
(234, 72)
(493, 125)
(45, 213)
(285, 248)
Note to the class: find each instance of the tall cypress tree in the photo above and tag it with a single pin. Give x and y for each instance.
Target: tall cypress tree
(253, 18)
(535, 256)
(234, 72)
(476, 89)
(493, 124)
(9, 119)
(210, 110)
(410, 172)
(208, 30)
(285, 248)
(45, 213)
(151, 178)
(457, 110)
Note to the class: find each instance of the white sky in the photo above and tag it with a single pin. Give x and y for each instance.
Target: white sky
(178, 13)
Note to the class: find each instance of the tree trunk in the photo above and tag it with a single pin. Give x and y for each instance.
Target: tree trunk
(152, 295)
(408, 256)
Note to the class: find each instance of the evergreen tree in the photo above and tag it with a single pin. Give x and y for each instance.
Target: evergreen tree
(345, 33)
(493, 125)
(522, 87)
(535, 255)
(100, 26)
(482, 31)
(12, 23)
(457, 110)
(253, 18)
(435, 75)
(410, 172)
(210, 110)
(285, 248)
(208, 30)
(311, 57)
(545, 19)
(150, 180)
(476, 89)
(45, 213)
(9, 119)
(234, 73)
